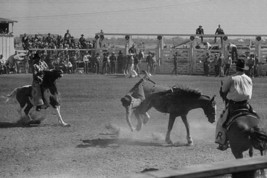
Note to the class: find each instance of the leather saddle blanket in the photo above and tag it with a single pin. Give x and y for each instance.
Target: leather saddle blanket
(238, 113)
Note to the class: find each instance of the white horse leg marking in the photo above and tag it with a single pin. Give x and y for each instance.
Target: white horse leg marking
(146, 118)
(139, 122)
(60, 120)
(128, 115)
(188, 137)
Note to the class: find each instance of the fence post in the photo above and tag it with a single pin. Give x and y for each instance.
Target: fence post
(159, 49)
(258, 48)
(191, 58)
(128, 39)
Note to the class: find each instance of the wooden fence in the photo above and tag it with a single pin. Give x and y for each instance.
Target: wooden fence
(241, 168)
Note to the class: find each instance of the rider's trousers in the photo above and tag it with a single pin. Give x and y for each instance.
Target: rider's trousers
(220, 133)
(37, 94)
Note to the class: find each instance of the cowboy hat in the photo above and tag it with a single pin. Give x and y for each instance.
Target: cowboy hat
(240, 64)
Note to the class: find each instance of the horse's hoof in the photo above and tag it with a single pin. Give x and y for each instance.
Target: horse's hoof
(169, 142)
(66, 125)
(190, 144)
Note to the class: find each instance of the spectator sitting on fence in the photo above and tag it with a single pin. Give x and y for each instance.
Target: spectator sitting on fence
(67, 37)
(200, 31)
(219, 31)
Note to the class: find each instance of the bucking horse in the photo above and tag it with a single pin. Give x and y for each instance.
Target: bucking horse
(177, 101)
(50, 95)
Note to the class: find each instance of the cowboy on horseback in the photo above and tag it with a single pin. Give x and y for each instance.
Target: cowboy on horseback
(237, 90)
(38, 67)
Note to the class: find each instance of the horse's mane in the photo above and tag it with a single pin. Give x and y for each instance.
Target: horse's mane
(182, 92)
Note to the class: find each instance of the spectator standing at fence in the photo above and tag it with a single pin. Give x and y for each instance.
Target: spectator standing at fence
(221, 65)
(233, 50)
(132, 50)
(228, 64)
(200, 31)
(131, 70)
(219, 31)
(106, 63)
(216, 67)
(251, 65)
(175, 61)
(256, 67)
(113, 61)
(149, 62)
(86, 62)
(96, 60)
(120, 62)
(206, 64)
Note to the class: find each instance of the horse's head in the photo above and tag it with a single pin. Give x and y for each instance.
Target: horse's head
(210, 109)
(50, 76)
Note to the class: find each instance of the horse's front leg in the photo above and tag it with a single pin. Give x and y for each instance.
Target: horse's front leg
(170, 125)
(188, 136)
(128, 117)
(139, 121)
(60, 120)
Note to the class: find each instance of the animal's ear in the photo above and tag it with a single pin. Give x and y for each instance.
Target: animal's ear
(212, 99)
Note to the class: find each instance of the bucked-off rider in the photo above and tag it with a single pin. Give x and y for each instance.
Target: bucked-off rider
(38, 67)
(238, 91)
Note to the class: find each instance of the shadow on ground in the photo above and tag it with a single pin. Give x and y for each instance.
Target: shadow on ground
(4, 125)
(117, 142)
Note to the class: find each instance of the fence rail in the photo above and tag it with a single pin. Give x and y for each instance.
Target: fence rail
(209, 170)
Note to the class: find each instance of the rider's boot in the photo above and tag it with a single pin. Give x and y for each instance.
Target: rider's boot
(38, 108)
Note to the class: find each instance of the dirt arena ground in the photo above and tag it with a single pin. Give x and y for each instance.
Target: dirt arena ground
(91, 104)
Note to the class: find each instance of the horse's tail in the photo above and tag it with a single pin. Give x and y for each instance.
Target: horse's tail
(11, 95)
(258, 138)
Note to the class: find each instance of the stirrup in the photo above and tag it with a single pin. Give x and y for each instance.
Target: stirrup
(223, 147)
(38, 108)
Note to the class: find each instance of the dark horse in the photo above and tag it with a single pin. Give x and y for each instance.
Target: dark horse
(176, 101)
(245, 132)
(50, 94)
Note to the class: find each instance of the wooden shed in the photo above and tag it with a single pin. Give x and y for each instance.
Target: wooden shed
(6, 37)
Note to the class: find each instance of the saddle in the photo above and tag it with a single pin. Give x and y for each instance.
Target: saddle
(238, 112)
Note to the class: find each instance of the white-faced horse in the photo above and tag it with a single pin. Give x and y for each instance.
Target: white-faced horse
(50, 94)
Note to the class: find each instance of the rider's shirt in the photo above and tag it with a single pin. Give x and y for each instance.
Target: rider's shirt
(41, 66)
(239, 87)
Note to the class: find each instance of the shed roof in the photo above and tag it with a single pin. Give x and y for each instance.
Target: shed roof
(4, 20)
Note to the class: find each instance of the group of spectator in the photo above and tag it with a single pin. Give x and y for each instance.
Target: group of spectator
(219, 31)
(55, 42)
(222, 65)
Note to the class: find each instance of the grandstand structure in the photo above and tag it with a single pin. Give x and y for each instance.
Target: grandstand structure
(6, 37)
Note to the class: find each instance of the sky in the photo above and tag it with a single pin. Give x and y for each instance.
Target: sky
(135, 16)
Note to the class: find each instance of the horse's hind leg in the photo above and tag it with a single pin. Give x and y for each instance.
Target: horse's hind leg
(170, 125)
(60, 120)
(250, 151)
(188, 137)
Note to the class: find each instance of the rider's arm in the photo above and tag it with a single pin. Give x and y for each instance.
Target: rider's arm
(227, 84)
